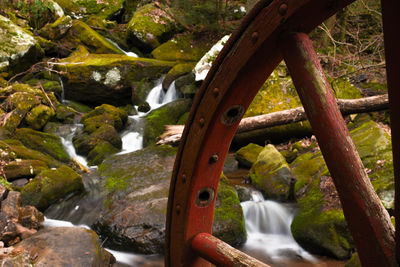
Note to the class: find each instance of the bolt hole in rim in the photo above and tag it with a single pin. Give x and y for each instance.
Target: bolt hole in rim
(204, 197)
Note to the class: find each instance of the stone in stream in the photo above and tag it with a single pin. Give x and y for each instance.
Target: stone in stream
(133, 217)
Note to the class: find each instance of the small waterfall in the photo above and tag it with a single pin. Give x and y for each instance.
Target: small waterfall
(171, 94)
(268, 230)
(157, 97)
(62, 90)
(129, 54)
(69, 147)
(132, 137)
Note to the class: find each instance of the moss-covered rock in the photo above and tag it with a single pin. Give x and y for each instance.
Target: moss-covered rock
(17, 150)
(135, 208)
(103, 78)
(228, 222)
(43, 142)
(130, 7)
(183, 47)
(50, 186)
(149, 27)
(247, 156)
(85, 8)
(177, 71)
(271, 174)
(84, 143)
(56, 30)
(23, 168)
(104, 114)
(165, 115)
(320, 225)
(18, 49)
(38, 116)
(100, 152)
(81, 33)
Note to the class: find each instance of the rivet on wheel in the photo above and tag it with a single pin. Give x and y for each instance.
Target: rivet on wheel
(283, 9)
(202, 121)
(178, 209)
(184, 178)
(213, 158)
(254, 37)
(216, 92)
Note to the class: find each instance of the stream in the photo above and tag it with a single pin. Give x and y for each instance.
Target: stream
(267, 222)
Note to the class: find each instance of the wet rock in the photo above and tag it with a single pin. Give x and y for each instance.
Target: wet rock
(50, 186)
(19, 182)
(18, 48)
(66, 246)
(8, 230)
(23, 168)
(79, 9)
(271, 174)
(11, 205)
(149, 27)
(104, 114)
(165, 115)
(14, 258)
(3, 192)
(244, 193)
(176, 72)
(134, 210)
(100, 152)
(56, 30)
(47, 143)
(144, 107)
(231, 165)
(186, 85)
(103, 78)
(30, 217)
(247, 156)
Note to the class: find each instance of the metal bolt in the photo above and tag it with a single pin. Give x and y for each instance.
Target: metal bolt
(254, 37)
(184, 178)
(283, 9)
(213, 158)
(178, 209)
(202, 121)
(216, 92)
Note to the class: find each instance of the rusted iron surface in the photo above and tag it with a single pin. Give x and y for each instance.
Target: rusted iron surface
(368, 220)
(222, 254)
(246, 61)
(391, 26)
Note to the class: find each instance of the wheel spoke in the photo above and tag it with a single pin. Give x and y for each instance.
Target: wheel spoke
(367, 219)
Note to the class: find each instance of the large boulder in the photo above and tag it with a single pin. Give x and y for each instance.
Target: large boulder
(23, 169)
(320, 226)
(66, 246)
(50, 186)
(104, 114)
(247, 156)
(135, 208)
(18, 48)
(272, 175)
(103, 78)
(168, 114)
(149, 27)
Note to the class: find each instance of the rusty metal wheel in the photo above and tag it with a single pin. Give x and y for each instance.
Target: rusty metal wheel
(272, 31)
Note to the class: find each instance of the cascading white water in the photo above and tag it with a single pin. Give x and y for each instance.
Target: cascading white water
(69, 147)
(62, 89)
(268, 229)
(129, 54)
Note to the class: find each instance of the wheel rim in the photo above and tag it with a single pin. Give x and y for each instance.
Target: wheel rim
(246, 61)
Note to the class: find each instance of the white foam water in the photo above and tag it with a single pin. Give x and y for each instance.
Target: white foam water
(268, 229)
(69, 147)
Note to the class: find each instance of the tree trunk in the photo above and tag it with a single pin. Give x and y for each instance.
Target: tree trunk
(172, 133)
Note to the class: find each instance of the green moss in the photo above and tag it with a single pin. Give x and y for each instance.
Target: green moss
(39, 116)
(100, 152)
(43, 142)
(177, 71)
(50, 186)
(342, 88)
(88, 7)
(229, 224)
(354, 261)
(182, 47)
(182, 120)
(247, 156)
(104, 114)
(24, 168)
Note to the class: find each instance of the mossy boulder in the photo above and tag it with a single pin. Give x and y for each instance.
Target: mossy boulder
(247, 156)
(272, 175)
(149, 27)
(103, 78)
(135, 208)
(228, 215)
(38, 116)
(24, 168)
(177, 71)
(50, 186)
(16, 149)
(81, 33)
(141, 89)
(56, 30)
(130, 7)
(47, 143)
(84, 142)
(104, 114)
(100, 152)
(183, 47)
(320, 225)
(18, 49)
(165, 115)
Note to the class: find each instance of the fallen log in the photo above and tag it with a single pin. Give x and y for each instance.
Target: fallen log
(172, 133)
